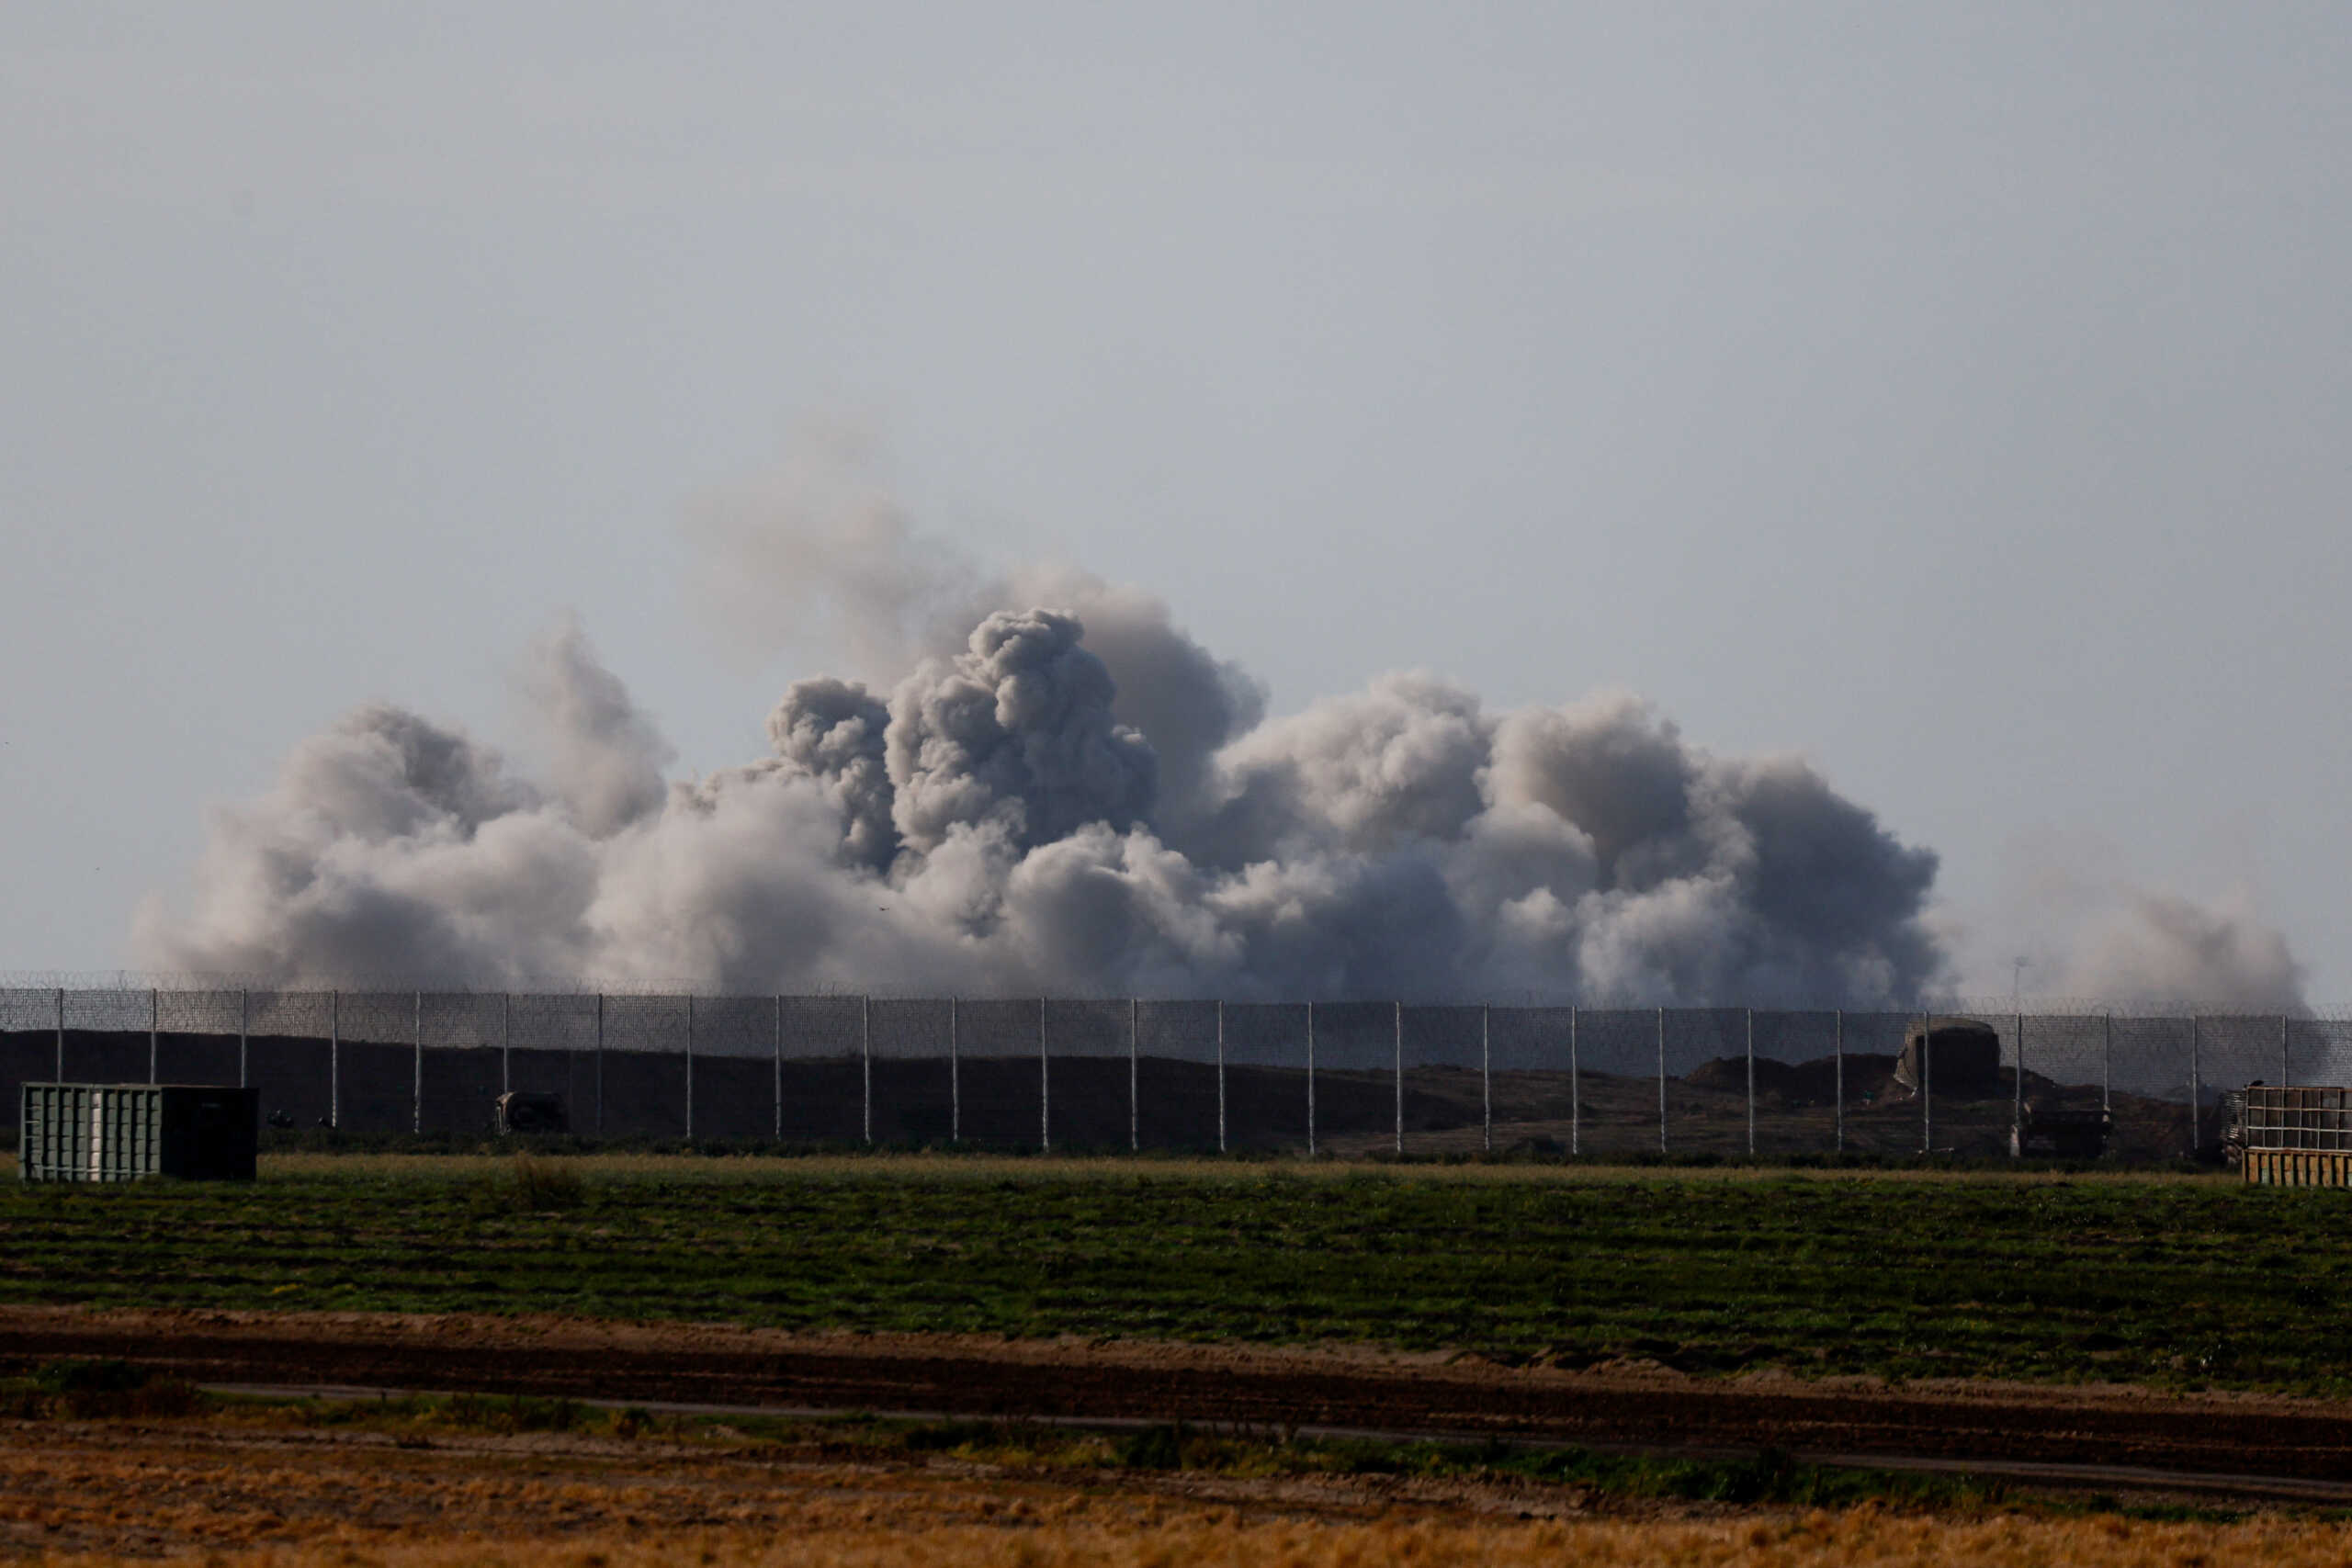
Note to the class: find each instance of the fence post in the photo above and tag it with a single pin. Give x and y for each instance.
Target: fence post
(1400, 1078)
(416, 1091)
(2017, 1104)
(1838, 1050)
(1310, 1081)
(244, 1031)
(1487, 1073)
(600, 1061)
(1661, 1080)
(61, 1034)
(1220, 1077)
(1751, 1083)
(505, 1042)
(1045, 1087)
(2285, 1066)
(335, 1060)
(1926, 1084)
(2106, 1062)
(154, 1034)
(1576, 1096)
(1134, 1115)
(2195, 1084)
(954, 1079)
(777, 1052)
(866, 1065)
(690, 1066)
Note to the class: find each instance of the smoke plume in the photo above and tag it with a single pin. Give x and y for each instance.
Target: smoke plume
(1057, 790)
(2159, 946)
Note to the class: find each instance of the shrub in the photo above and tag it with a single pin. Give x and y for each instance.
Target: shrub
(1160, 1447)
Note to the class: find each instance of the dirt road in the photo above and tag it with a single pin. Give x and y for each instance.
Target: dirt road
(1261, 1388)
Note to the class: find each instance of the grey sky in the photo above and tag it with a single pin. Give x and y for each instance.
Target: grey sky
(1956, 395)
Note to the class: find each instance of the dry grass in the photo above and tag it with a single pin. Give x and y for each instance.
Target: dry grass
(268, 1495)
(1220, 1539)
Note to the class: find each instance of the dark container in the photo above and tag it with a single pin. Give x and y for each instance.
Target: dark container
(523, 1112)
(1962, 1056)
(78, 1132)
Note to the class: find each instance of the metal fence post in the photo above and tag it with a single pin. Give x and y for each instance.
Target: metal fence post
(505, 1042)
(1220, 1077)
(244, 1033)
(1486, 1074)
(690, 1066)
(417, 1100)
(154, 1034)
(1400, 1078)
(777, 1052)
(61, 1034)
(1045, 1086)
(866, 1065)
(2196, 1083)
(2107, 1061)
(1838, 1050)
(600, 1061)
(1310, 1081)
(2017, 1104)
(1926, 1084)
(334, 1059)
(1751, 1083)
(1576, 1095)
(2285, 1066)
(1661, 1080)
(1135, 1113)
(954, 1079)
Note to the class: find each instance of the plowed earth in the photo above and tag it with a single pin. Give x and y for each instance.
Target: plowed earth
(1256, 1388)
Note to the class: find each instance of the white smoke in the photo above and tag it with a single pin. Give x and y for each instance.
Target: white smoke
(2162, 947)
(604, 758)
(2077, 923)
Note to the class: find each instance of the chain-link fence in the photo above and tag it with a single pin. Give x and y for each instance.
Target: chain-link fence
(1350, 1079)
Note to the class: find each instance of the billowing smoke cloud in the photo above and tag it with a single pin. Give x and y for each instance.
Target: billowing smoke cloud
(2078, 925)
(604, 758)
(1068, 796)
(2158, 946)
(819, 553)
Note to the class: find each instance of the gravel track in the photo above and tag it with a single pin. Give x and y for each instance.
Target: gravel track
(2219, 1438)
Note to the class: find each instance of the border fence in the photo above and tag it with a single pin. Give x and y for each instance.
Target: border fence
(1346, 1079)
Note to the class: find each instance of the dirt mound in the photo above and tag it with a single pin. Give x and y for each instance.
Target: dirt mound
(1812, 1082)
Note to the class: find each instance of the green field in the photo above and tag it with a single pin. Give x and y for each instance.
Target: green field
(2167, 1280)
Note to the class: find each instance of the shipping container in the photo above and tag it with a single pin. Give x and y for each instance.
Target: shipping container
(77, 1132)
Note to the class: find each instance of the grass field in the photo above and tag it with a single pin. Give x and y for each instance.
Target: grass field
(2165, 1280)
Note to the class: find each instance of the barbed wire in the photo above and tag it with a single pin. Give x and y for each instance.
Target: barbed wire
(120, 982)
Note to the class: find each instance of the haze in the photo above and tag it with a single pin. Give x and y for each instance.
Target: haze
(1957, 400)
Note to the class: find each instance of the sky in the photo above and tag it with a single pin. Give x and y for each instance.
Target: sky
(1958, 397)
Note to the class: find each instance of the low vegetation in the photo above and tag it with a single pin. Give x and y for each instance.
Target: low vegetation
(2178, 1280)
